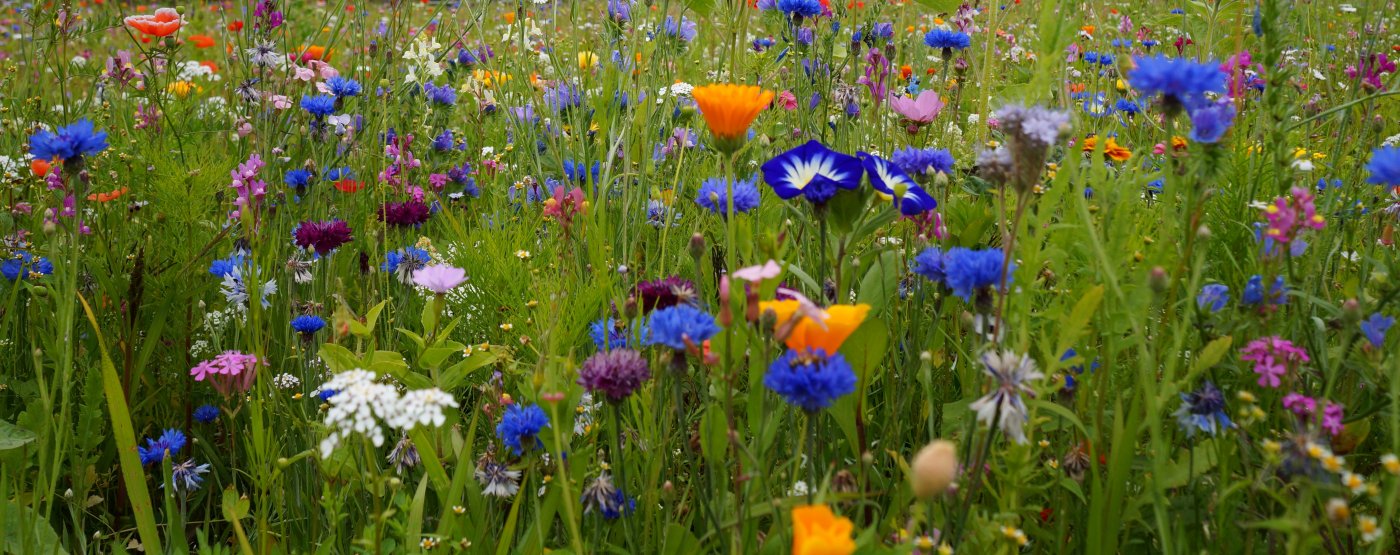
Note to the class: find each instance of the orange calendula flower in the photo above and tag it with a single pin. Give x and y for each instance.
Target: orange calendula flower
(1178, 142)
(315, 53)
(815, 328)
(729, 109)
(818, 531)
(202, 41)
(1111, 149)
(163, 23)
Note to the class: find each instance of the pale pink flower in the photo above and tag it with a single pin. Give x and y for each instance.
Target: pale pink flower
(921, 110)
(757, 274)
(440, 278)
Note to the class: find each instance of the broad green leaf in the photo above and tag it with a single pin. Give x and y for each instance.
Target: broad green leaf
(12, 436)
(881, 283)
(24, 531)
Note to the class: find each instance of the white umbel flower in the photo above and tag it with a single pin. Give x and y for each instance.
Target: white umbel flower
(359, 405)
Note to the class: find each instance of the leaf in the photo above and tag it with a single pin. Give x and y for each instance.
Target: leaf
(1061, 412)
(337, 357)
(865, 348)
(714, 432)
(1211, 355)
(1073, 324)
(415, 516)
(940, 6)
(12, 436)
(136, 489)
(457, 374)
(24, 531)
(881, 282)
(679, 541)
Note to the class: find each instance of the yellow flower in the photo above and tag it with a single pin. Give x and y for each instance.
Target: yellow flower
(182, 88)
(587, 60)
(828, 334)
(818, 531)
(729, 109)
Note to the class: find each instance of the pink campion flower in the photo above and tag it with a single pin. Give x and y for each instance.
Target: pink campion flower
(1332, 419)
(281, 102)
(230, 372)
(322, 69)
(757, 274)
(919, 111)
(1300, 404)
(1273, 357)
(1290, 215)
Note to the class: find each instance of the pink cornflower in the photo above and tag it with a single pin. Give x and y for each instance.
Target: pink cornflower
(1290, 215)
(229, 372)
(1273, 357)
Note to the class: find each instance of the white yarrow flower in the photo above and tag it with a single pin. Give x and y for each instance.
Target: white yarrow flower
(360, 404)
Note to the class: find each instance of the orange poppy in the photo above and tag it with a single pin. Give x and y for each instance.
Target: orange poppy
(509, 17)
(165, 22)
(213, 68)
(109, 197)
(40, 167)
(729, 109)
(808, 334)
(905, 71)
(201, 41)
(314, 52)
(349, 185)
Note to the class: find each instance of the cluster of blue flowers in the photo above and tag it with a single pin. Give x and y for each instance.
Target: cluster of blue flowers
(171, 441)
(24, 266)
(964, 271)
(672, 326)
(714, 195)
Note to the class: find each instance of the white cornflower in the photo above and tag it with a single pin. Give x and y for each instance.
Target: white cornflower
(1004, 407)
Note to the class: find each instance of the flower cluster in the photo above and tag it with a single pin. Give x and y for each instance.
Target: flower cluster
(360, 405)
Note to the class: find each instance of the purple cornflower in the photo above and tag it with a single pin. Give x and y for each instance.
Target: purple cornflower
(404, 214)
(323, 236)
(615, 374)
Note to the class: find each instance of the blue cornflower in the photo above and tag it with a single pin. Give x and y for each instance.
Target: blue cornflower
(930, 264)
(813, 171)
(1210, 120)
(674, 325)
(342, 87)
(1376, 327)
(1097, 106)
(187, 476)
(445, 95)
(1214, 296)
(970, 270)
(923, 161)
(1091, 57)
(520, 427)
(308, 324)
(170, 441)
(225, 266)
(405, 261)
(297, 178)
(1180, 80)
(947, 40)
(74, 141)
(714, 195)
(1254, 291)
(800, 8)
(336, 174)
(1203, 410)
(1384, 166)
(1105, 59)
(321, 105)
(24, 266)
(206, 414)
(324, 395)
(1126, 106)
(607, 334)
(811, 381)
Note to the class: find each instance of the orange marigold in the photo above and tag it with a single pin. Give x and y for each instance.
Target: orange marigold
(729, 109)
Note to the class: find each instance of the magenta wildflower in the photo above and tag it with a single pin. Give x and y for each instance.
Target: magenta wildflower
(1290, 215)
(1273, 357)
(229, 372)
(324, 236)
(404, 214)
(1332, 419)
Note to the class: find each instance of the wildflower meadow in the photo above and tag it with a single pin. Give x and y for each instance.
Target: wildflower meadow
(699, 276)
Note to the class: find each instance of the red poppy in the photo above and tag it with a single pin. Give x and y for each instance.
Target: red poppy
(40, 167)
(212, 67)
(236, 26)
(109, 197)
(164, 23)
(201, 41)
(349, 185)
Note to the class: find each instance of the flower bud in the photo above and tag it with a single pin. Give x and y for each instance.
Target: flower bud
(1351, 311)
(1158, 279)
(934, 468)
(697, 246)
